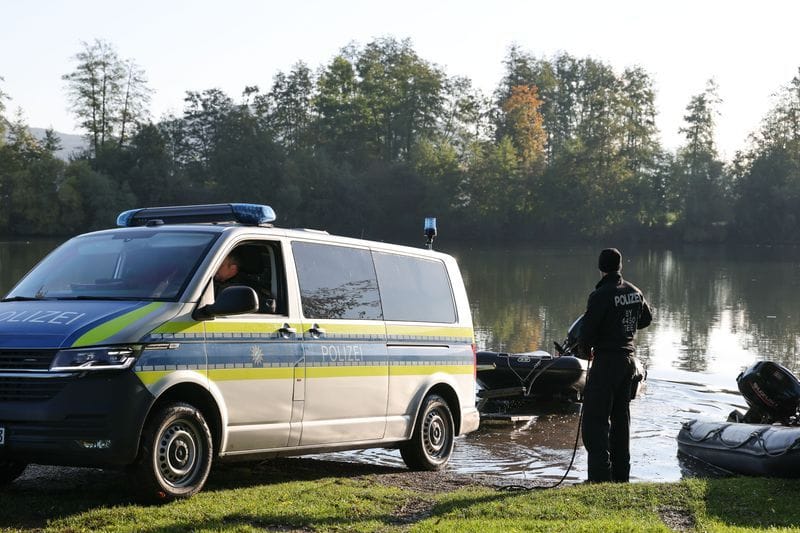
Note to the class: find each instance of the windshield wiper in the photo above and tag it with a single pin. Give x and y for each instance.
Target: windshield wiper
(22, 299)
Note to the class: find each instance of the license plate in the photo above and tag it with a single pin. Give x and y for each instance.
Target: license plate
(2, 435)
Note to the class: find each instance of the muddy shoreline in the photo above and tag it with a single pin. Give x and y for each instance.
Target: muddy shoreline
(56, 479)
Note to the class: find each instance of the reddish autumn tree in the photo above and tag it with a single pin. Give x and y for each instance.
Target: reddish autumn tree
(524, 125)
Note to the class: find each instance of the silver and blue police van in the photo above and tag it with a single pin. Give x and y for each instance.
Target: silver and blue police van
(118, 350)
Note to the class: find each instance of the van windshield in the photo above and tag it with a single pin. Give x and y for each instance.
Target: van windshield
(123, 265)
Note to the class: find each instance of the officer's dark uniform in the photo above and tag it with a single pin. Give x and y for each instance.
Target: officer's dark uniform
(616, 309)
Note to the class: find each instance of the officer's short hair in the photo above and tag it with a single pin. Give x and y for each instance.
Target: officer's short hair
(235, 257)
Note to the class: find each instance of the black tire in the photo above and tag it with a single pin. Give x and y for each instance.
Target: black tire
(431, 444)
(10, 470)
(175, 454)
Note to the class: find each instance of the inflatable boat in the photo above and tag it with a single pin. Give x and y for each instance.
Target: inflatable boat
(750, 449)
(765, 441)
(532, 374)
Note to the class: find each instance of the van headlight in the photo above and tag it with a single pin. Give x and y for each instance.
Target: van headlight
(97, 358)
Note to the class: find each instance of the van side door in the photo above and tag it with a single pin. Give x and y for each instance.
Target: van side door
(255, 360)
(426, 343)
(344, 343)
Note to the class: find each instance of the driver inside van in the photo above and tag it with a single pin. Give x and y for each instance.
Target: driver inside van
(228, 274)
(231, 273)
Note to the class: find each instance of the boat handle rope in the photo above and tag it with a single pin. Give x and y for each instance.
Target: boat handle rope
(793, 446)
(520, 378)
(757, 436)
(718, 432)
(529, 388)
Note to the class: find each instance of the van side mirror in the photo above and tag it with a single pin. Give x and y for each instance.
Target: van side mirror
(231, 301)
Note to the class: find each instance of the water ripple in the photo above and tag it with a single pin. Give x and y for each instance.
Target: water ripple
(542, 447)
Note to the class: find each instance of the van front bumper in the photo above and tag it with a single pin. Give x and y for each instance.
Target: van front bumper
(88, 419)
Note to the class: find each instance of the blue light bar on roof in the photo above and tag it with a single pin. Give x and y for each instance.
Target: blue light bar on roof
(248, 214)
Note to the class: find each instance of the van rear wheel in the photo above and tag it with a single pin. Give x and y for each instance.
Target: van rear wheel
(10, 470)
(431, 444)
(175, 454)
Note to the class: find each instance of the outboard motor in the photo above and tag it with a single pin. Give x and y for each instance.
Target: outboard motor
(574, 331)
(570, 344)
(772, 393)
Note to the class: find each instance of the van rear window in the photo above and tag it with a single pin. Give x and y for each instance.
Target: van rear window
(414, 289)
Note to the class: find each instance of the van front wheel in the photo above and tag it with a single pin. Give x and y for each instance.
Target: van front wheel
(175, 454)
(431, 444)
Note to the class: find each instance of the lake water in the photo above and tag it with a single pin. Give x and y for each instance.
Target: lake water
(717, 311)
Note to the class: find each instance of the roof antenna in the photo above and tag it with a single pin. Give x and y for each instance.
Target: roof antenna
(430, 232)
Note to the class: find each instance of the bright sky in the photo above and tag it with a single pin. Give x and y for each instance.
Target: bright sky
(750, 48)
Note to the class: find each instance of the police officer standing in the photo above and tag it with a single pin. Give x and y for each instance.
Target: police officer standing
(616, 309)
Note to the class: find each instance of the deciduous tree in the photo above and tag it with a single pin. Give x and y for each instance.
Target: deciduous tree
(704, 193)
(106, 94)
(3, 120)
(403, 96)
(29, 178)
(341, 110)
(133, 100)
(768, 174)
(290, 111)
(523, 124)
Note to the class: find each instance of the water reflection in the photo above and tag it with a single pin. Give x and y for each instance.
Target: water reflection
(541, 449)
(717, 309)
(524, 299)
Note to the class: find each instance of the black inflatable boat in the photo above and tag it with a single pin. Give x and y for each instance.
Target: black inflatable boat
(765, 441)
(751, 449)
(534, 376)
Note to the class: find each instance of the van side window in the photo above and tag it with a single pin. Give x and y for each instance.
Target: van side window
(261, 268)
(414, 289)
(337, 282)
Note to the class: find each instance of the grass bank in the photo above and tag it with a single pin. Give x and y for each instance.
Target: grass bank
(307, 495)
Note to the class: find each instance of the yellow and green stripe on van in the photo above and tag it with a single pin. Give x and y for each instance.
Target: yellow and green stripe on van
(427, 370)
(149, 377)
(218, 330)
(338, 329)
(215, 330)
(184, 327)
(108, 329)
(417, 333)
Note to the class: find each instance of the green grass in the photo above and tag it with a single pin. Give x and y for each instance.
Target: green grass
(720, 505)
(324, 504)
(295, 495)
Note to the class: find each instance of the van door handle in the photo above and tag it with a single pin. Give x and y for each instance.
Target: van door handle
(316, 331)
(286, 331)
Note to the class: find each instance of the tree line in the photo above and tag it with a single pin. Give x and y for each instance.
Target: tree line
(565, 148)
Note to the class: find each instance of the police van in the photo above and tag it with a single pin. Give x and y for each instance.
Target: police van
(120, 350)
